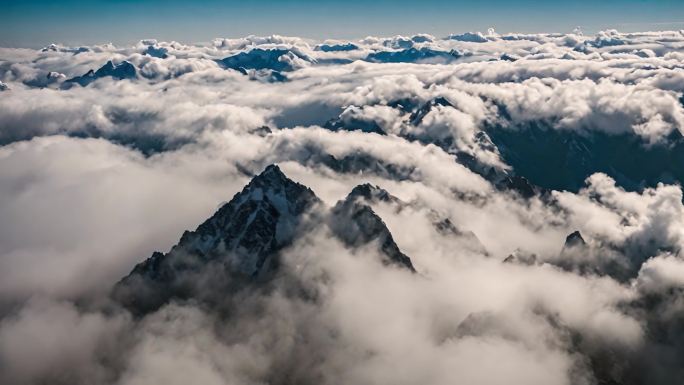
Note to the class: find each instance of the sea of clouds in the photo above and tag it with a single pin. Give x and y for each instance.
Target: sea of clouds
(95, 178)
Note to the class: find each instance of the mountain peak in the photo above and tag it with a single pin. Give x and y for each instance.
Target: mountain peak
(271, 174)
(356, 224)
(243, 239)
(574, 239)
(417, 116)
(123, 70)
(109, 65)
(442, 101)
(277, 59)
(371, 193)
(270, 198)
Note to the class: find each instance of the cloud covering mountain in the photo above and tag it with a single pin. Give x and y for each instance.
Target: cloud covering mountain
(479, 208)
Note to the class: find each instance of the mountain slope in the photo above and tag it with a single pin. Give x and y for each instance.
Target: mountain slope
(258, 59)
(414, 55)
(241, 242)
(563, 159)
(123, 70)
(356, 224)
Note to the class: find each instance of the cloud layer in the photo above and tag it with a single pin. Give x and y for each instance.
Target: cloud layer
(517, 140)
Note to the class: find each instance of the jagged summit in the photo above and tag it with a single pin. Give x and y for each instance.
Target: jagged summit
(356, 224)
(123, 70)
(243, 239)
(266, 65)
(413, 55)
(257, 222)
(574, 239)
(352, 123)
(271, 176)
(340, 47)
(353, 119)
(417, 117)
(156, 51)
(372, 193)
(277, 59)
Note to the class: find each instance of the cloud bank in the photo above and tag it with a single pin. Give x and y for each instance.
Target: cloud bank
(533, 180)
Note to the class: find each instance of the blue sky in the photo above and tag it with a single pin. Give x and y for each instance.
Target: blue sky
(35, 23)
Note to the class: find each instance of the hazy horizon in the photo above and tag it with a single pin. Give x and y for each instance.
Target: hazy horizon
(36, 23)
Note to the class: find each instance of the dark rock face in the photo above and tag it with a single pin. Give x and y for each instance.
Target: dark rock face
(504, 180)
(158, 52)
(585, 258)
(241, 239)
(413, 55)
(258, 59)
(356, 224)
(257, 222)
(418, 115)
(337, 47)
(405, 105)
(369, 194)
(372, 194)
(276, 77)
(361, 162)
(544, 158)
(123, 70)
(509, 57)
(574, 240)
(241, 242)
(74, 50)
(262, 131)
(563, 159)
(265, 65)
(354, 124)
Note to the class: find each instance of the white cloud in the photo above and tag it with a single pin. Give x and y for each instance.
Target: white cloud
(93, 179)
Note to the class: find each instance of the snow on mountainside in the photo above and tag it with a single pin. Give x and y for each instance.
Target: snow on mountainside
(369, 194)
(258, 221)
(340, 47)
(414, 55)
(356, 224)
(243, 239)
(275, 59)
(123, 70)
